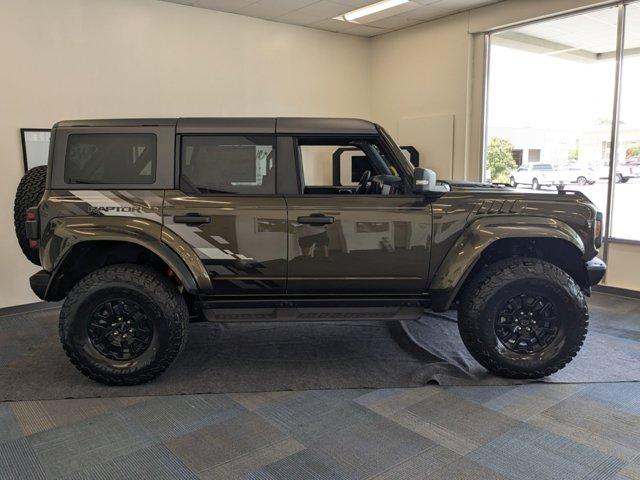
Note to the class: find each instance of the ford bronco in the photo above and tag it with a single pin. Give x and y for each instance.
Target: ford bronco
(141, 225)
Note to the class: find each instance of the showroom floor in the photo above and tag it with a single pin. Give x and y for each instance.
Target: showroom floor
(537, 431)
(530, 431)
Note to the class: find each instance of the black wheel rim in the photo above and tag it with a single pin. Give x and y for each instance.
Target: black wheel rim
(527, 323)
(120, 329)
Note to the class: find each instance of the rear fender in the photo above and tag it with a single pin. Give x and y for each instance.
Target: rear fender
(62, 234)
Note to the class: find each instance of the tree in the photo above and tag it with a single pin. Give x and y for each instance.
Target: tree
(500, 160)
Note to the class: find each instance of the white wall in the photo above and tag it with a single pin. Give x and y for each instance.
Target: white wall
(69, 59)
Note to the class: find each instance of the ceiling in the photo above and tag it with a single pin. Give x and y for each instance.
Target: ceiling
(320, 13)
(589, 36)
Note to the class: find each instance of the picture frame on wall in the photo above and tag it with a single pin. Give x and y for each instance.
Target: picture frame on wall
(35, 146)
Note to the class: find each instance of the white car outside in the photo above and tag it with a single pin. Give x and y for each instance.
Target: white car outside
(576, 173)
(535, 174)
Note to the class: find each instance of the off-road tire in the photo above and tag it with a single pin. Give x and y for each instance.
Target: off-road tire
(480, 302)
(29, 193)
(162, 302)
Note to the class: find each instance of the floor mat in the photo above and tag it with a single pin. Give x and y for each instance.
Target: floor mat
(274, 357)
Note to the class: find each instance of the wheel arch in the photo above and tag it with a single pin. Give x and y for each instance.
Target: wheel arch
(492, 239)
(107, 240)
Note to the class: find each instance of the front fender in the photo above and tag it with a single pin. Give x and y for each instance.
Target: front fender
(479, 235)
(62, 234)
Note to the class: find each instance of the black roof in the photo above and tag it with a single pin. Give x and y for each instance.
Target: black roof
(249, 125)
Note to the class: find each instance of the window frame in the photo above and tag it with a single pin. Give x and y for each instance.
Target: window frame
(612, 142)
(178, 163)
(164, 178)
(377, 139)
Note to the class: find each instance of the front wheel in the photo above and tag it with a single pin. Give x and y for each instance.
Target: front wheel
(123, 324)
(513, 182)
(523, 318)
(582, 181)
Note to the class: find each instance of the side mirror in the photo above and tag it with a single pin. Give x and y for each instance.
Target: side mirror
(424, 182)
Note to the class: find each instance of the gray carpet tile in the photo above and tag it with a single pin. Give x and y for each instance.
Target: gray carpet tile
(364, 450)
(438, 463)
(18, 460)
(168, 417)
(225, 441)
(9, 426)
(303, 465)
(78, 446)
(462, 418)
(309, 415)
(593, 417)
(244, 465)
(526, 452)
(620, 396)
(155, 462)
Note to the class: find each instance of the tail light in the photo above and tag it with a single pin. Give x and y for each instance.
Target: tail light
(32, 227)
(598, 230)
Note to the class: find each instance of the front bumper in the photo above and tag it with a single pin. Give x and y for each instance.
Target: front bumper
(39, 283)
(596, 269)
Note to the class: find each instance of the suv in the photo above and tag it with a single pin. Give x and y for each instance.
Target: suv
(142, 225)
(535, 174)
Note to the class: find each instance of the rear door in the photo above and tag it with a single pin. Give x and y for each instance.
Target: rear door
(226, 208)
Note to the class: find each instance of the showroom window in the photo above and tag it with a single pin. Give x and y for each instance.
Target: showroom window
(228, 165)
(110, 158)
(551, 98)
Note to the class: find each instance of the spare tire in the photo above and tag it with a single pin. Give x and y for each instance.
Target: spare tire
(29, 193)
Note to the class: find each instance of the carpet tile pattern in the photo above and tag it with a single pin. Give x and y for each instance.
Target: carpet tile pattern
(534, 431)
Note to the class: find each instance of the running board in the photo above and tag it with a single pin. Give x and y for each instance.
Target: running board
(319, 310)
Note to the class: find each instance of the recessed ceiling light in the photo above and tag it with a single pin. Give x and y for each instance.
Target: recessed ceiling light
(370, 10)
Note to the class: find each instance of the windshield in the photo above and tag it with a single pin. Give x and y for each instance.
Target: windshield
(405, 164)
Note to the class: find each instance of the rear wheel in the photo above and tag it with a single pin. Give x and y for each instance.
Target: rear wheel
(123, 324)
(513, 182)
(523, 318)
(535, 184)
(582, 180)
(29, 193)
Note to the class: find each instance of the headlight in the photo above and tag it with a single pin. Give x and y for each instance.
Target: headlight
(598, 230)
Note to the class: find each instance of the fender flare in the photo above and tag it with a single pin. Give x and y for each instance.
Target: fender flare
(63, 234)
(477, 237)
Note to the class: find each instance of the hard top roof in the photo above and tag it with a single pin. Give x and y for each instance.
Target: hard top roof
(234, 125)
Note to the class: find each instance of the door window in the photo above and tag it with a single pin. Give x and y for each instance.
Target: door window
(228, 165)
(330, 167)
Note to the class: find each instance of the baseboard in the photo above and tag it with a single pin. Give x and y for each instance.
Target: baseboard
(28, 308)
(620, 292)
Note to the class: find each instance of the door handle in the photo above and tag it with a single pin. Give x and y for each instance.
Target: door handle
(191, 219)
(316, 219)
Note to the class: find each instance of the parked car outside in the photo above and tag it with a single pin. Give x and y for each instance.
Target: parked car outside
(576, 173)
(535, 174)
(624, 171)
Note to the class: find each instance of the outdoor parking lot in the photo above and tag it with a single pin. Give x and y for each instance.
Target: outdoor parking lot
(626, 224)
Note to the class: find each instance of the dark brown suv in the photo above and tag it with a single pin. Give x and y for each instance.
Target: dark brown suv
(141, 225)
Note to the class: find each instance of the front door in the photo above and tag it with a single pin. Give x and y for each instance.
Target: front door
(227, 210)
(345, 240)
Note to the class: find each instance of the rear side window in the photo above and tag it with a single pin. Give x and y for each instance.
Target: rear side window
(228, 164)
(111, 158)
(543, 166)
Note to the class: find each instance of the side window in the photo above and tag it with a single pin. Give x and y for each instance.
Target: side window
(111, 158)
(337, 166)
(228, 164)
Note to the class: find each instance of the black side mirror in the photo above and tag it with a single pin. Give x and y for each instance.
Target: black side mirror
(424, 182)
